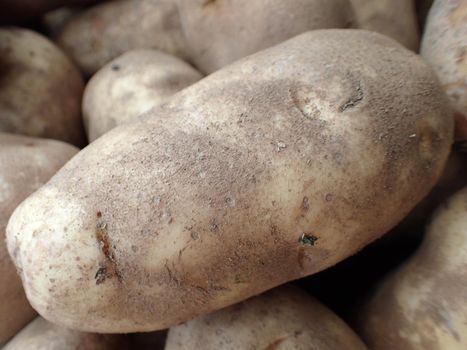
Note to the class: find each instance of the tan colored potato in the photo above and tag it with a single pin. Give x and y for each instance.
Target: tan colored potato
(25, 164)
(423, 305)
(394, 18)
(444, 46)
(43, 335)
(271, 169)
(41, 90)
(110, 29)
(220, 32)
(282, 319)
(130, 85)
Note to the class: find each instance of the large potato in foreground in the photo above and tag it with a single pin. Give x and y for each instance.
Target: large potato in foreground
(43, 335)
(130, 85)
(394, 18)
(220, 32)
(25, 164)
(110, 29)
(423, 305)
(269, 170)
(284, 318)
(41, 90)
(444, 46)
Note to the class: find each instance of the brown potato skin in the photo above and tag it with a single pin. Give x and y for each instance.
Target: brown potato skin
(423, 304)
(40, 89)
(284, 318)
(130, 85)
(108, 30)
(221, 32)
(394, 18)
(25, 164)
(43, 335)
(272, 169)
(444, 46)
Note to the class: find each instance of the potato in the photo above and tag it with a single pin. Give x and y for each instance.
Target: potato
(220, 32)
(423, 304)
(444, 46)
(110, 29)
(43, 335)
(25, 164)
(283, 318)
(130, 85)
(41, 89)
(394, 18)
(269, 170)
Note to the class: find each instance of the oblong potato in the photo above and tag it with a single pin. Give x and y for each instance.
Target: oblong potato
(269, 170)
(423, 305)
(108, 30)
(394, 18)
(220, 32)
(26, 163)
(444, 46)
(41, 90)
(283, 318)
(43, 335)
(130, 85)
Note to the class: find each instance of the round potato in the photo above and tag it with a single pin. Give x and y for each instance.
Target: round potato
(271, 169)
(423, 305)
(444, 46)
(43, 335)
(283, 318)
(41, 90)
(108, 30)
(394, 18)
(25, 164)
(130, 85)
(220, 32)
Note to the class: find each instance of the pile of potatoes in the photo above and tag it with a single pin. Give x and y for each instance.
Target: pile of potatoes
(220, 175)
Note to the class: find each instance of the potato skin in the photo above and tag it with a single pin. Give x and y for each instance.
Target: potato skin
(271, 169)
(444, 46)
(220, 32)
(43, 335)
(130, 85)
(41, 90)
(108, 30)
(283, 318)
(394, 18)
(423, 305)
(26, 163)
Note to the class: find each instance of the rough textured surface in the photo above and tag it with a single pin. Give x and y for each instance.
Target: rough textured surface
(40, 89)
(444, 46)
(394, 18)
(43, 335)
(269, 170)
(423, 305)
(220, 32)
(281, 319)
(25, 164)
(130, 85)
(110, 29)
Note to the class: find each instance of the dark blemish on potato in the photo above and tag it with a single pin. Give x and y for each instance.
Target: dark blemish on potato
(30, 144)
(353, 100)
(276, 343)
(109, 267)
(194, 236)
(134, 248)
(208, 2)
(213, 226)
(115, 67)
(328, 197)
(307, 239)
(99, 214)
